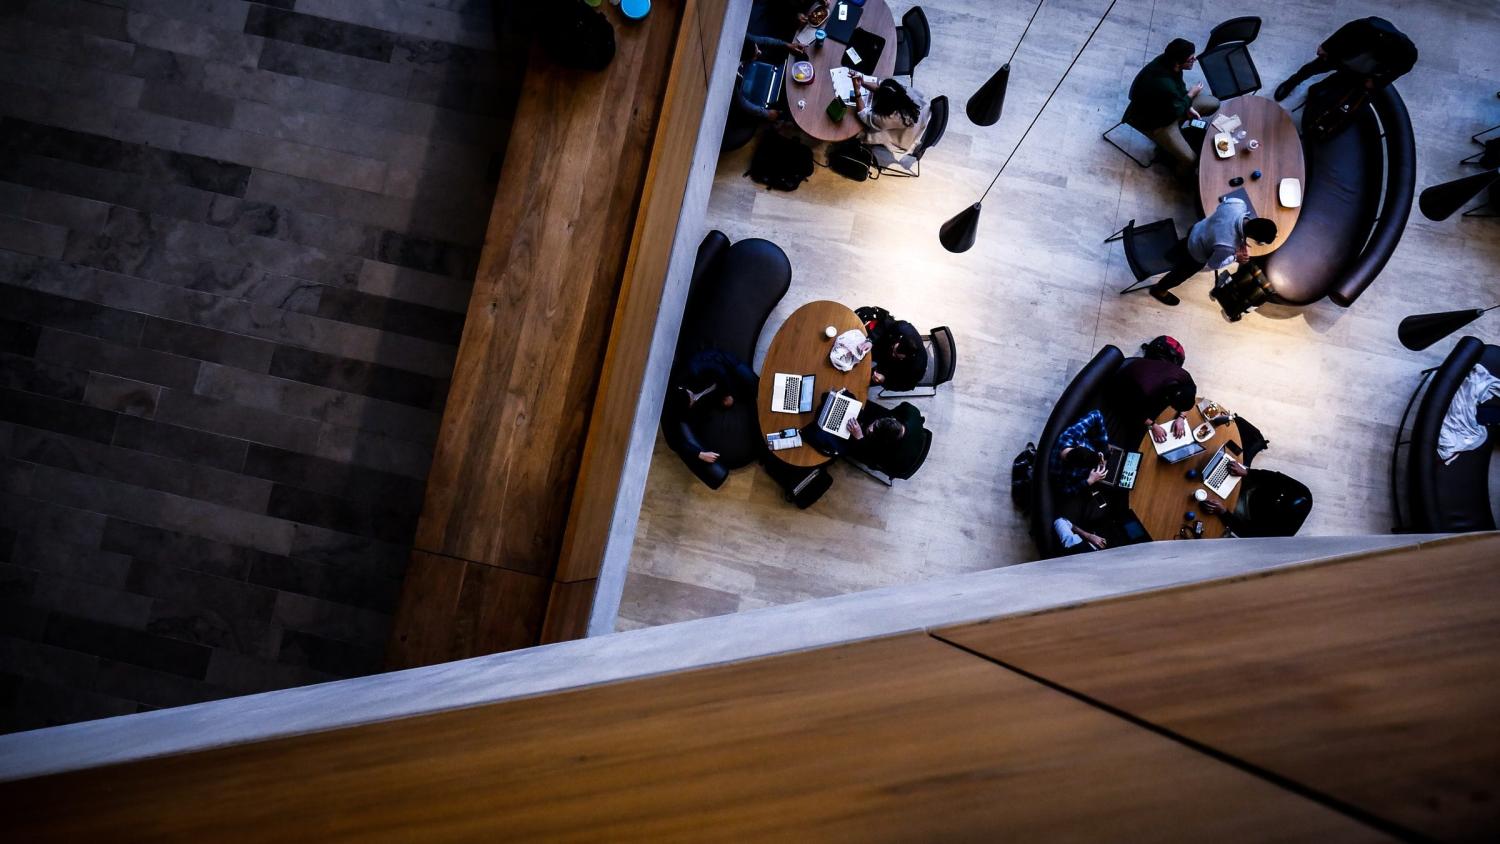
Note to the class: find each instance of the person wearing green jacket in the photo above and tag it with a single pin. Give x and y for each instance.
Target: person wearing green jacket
(1160, 101)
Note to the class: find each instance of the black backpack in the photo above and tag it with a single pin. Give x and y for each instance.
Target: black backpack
(1022, 469)
(802, 486)
(575, 35)
(853, 160)
(780, 163)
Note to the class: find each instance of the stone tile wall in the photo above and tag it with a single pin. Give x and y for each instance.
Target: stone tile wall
(236, 246)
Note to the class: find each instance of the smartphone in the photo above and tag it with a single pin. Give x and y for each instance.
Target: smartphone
(1198, 124)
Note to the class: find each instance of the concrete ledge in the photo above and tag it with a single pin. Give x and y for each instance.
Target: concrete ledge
(1012, 590)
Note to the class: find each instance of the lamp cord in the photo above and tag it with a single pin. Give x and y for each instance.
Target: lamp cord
(1024, 31)
(1049, 96)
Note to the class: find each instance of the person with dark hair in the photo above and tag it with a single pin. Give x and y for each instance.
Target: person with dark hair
(1160, 101)
(1077, 461)
(886, 439)
(1147, 385)
(1214, 243)
(894, 116)
(783, 18)
(898, 356)
(1372, 51)
(1270, 504)
(770, 52)
(709, 380)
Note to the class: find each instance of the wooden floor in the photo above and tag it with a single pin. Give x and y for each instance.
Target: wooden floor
(1036, 297)
(1348, 701)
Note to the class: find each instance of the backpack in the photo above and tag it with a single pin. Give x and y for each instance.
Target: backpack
(780, 163)
(575, 35)
(801, 486)
(853, 160)
(1022, 469)
(877, 320)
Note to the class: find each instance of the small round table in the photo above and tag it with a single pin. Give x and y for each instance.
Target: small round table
(1163, 493)
(818, 92)
(1279, 157)
(800, 348)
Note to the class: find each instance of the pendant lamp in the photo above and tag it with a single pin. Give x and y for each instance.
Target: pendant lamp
(1419, 331)
(985, 106)
(1440, 201)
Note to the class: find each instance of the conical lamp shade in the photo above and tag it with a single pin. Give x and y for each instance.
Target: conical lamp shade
(1419, 331)
(958, 233)
(985, 106)
(1440, 201)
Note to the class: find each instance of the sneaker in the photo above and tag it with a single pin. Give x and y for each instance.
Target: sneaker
(1166, 297)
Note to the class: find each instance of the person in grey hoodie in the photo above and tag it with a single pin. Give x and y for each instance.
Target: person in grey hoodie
(1215, 242)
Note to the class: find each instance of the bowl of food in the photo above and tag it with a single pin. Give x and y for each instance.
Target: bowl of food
(1203, 432)
(817, 14)
(1223, 145)
(802, 72)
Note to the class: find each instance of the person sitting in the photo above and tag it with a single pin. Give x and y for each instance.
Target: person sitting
(1371, 50)
(1144, 387)
(894, 116)
(1076, 540)
(1270, 504)
(887, 439)
(783, 18)
(1160, 101)
(1214, 242)
(710, 379)
(1077, 461)
(767, 50)
(898, 356)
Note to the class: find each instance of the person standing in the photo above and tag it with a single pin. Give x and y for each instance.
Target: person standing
(1160, 101)
(1147, 385)
(1371, 50)
(1215, 242)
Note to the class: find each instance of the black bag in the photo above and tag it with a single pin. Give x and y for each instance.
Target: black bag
(780, 163)
(853, 160)
(802, 486)
(575, 35)
(1333, 104)
(1022, 469)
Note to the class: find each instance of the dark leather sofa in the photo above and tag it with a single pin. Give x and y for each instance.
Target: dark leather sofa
(1453, 497)
(1348, 227)
(734, 289)
(1088, 391)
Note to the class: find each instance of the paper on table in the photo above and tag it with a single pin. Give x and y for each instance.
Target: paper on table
(843, 84)
(1226, 122)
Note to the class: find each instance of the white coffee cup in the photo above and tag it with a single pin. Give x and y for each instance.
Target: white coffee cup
(1200, 495)
(830, 332)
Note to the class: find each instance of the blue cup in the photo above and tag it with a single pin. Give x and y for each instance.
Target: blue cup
(819, 36)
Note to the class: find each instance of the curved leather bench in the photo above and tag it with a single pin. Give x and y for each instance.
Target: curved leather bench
(1348, 227)
(1086, 392)
(734, 289)
(1452, 497)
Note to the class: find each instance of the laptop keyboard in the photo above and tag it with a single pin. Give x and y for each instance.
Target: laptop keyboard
(1217, 475)
(836, 414)
(791, 397)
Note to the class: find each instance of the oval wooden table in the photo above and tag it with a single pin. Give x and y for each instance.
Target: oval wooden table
(800, 348)
(1163, 494)
(1279, 157)
(818, 93)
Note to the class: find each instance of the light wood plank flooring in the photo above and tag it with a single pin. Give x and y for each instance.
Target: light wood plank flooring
(1036, 297)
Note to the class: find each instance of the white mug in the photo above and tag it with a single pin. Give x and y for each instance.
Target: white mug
(830, 332)
(1200, 495)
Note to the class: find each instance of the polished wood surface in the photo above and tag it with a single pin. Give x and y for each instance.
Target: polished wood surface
(555, 258)
(592, 509)
(1163, 495)
(818, 93)
(1370, 680)
(900, 739)
(801, 348)
(1279, 157)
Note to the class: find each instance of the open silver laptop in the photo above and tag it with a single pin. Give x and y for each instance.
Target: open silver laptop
(791, 393)
(1216, 475)
(838, 408)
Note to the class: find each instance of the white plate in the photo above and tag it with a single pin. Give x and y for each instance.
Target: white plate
(1221, 137)
(1290, 193)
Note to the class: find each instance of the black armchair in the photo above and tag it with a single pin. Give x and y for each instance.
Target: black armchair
(1086, 392)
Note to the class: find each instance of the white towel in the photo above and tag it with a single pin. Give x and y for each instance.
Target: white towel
(1461, 429)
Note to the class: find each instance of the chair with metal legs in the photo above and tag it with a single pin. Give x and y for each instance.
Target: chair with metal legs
(1147, 249)
(1128, 154)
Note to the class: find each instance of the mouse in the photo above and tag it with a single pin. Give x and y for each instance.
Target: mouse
(1236, 181)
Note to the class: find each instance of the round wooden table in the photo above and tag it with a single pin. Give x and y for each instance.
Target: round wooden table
(1163, 494)
(818, 92)
(800, 348)
(1279, 157)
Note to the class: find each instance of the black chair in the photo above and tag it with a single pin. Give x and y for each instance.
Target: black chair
(1229, 70)
(937, 124)
(1271, 504)
(888, 475)
(1147, 249)
(1243, 30)
(1128, 153)
(913, 42)
(942, 359)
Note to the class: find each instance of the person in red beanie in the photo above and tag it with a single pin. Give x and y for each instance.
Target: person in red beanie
(1147, 385)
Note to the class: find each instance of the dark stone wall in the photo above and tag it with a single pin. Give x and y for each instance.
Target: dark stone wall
(236, 246)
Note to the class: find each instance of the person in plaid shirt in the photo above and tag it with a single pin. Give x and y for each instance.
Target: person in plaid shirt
(1077, 461)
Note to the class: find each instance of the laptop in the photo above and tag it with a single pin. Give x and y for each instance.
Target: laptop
(762, 83)
(864, 51)
(843, 16)
(838, 408)
(1121, 467)
(1216, 476)
(1178, 449)
(791, 393)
